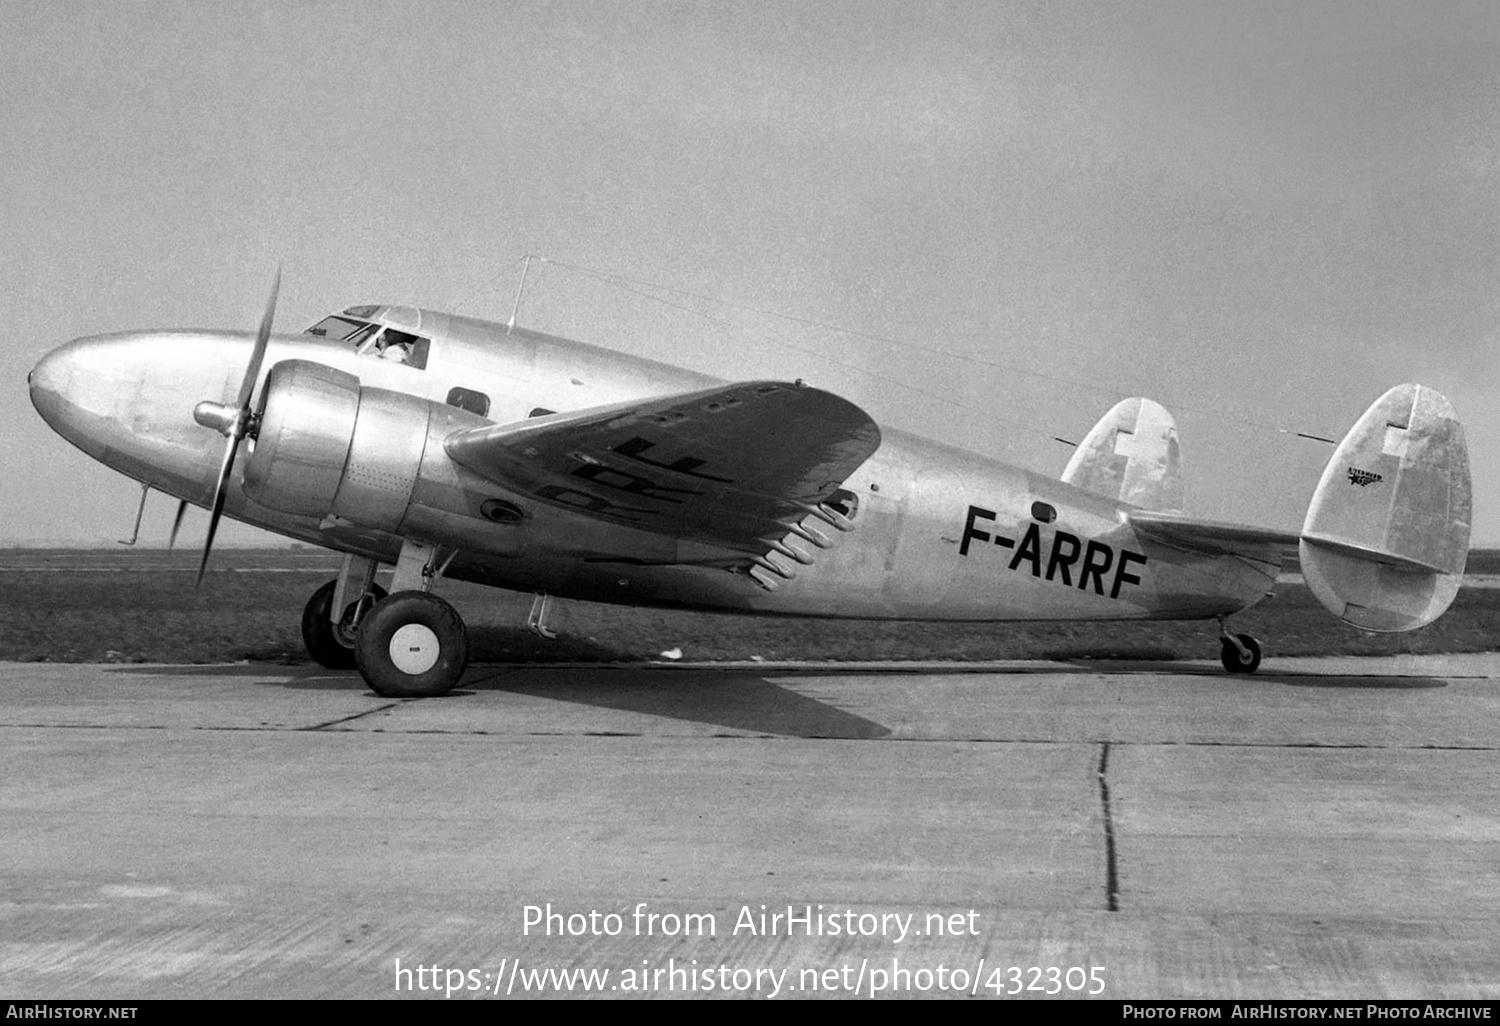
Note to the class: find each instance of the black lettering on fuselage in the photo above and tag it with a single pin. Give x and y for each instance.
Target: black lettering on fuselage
(1121, 576)
(1030, 549)
(1092, 560)
(975, 513)
(1060, 560)
(1094, 569)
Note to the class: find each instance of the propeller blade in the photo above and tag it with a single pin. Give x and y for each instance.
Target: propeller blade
(258, 354)
(241, 424)
(218, 506)
(177, 524)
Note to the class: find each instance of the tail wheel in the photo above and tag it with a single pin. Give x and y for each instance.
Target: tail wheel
(332, 645)
(411, 645)
(1236, 661)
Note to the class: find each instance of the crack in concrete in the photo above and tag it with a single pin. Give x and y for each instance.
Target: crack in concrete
(353, 716)
(1111, 852)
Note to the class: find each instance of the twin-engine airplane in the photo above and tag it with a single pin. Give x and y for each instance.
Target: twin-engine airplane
(484, 452)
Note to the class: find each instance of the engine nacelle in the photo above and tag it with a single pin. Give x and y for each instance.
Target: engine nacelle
(327, 446)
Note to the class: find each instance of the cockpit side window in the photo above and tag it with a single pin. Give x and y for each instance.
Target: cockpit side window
(398, 347)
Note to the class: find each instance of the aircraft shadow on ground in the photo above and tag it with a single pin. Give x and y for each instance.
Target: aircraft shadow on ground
(737, 700)
(748, 700)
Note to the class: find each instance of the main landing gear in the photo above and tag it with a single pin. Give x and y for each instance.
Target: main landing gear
(1240, 653)
(408, 644)
(332, 644)
(412, 645)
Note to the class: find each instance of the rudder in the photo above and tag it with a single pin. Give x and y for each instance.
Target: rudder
(1386, 536)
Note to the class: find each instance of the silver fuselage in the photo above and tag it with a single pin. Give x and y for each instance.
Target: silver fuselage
(940, 533)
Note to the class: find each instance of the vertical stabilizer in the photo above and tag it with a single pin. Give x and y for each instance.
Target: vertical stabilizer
(1131, 455)
(1387, 532)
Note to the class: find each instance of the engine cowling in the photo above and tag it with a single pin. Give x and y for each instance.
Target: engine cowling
(328, 446)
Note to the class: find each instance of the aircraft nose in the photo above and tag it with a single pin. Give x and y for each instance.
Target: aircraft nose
(49, 382)
(127, 399)
(84, 388)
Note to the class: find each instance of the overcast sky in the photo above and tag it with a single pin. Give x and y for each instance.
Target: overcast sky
(1260, 214)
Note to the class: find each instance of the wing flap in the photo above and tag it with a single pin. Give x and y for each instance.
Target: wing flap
(727, 466)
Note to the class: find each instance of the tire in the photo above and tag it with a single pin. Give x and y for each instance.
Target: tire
(411, 645)
(1233, 661)
(331, 645)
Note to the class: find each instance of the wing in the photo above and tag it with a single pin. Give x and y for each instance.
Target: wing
(1214, 537)
(732, 467)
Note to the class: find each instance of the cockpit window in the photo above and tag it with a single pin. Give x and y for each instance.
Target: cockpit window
(398, 347)
(373, 339)
(342, 329)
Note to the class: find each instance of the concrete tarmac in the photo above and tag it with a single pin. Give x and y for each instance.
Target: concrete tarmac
(1326, 828)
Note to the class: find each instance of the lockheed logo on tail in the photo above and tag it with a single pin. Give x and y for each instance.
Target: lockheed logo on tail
(1362, 477)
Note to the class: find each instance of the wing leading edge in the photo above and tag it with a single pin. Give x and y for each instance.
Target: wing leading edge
(732, 466)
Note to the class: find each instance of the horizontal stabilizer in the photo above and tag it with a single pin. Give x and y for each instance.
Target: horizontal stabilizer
(1387, 532)
(1131, 455)
(1214, 537)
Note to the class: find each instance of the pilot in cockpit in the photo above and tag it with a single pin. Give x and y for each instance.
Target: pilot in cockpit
(396, 351)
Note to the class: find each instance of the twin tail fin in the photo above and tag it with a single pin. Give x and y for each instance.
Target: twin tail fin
(1386, 535)
(1131, 455)
(1387, 532)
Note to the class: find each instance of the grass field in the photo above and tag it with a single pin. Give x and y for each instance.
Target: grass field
(128, 606)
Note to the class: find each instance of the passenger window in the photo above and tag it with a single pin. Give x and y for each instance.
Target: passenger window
(468, 399)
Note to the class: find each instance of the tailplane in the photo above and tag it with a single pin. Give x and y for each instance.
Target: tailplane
(1131, 455)
(1387, 532)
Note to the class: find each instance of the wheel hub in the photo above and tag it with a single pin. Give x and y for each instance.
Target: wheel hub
(415, 649)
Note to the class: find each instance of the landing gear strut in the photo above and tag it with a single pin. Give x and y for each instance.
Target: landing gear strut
(412, 644)
(1240, 653)
(332, 644)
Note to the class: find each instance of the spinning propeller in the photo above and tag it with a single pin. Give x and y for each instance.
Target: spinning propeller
(233, 422)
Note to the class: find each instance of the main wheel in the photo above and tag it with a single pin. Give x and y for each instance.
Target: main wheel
(1234, 660)
(330, 644)
(411, 645)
